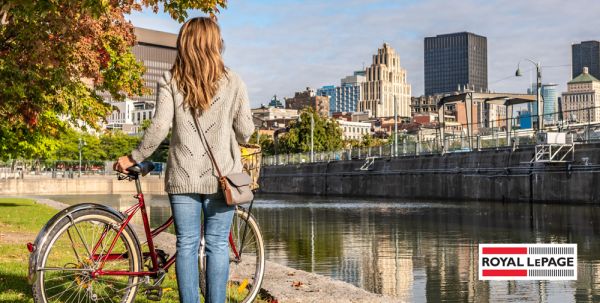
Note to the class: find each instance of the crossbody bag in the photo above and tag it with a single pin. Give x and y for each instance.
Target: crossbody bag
(236, 186)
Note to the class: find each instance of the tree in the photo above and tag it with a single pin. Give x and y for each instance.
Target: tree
(266, 143)
(54, 58)
(327, 134)
(117, 143)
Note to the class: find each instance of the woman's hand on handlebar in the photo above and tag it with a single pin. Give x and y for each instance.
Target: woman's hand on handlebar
(123, 163)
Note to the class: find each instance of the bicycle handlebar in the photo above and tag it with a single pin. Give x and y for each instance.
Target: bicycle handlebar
(142, 168)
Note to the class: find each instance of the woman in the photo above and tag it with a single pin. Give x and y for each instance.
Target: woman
(199, 83)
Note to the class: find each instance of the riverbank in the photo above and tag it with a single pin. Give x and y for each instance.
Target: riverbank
(283, 283)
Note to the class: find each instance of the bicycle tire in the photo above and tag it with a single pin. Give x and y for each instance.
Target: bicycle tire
(241, 219)
(127, 246)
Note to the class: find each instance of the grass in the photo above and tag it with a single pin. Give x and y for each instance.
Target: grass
(20, 221)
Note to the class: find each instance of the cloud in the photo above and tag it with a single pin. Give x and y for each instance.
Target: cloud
(280, 47)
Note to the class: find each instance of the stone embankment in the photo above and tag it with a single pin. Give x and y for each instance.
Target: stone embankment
(285, 284)
(106, 185)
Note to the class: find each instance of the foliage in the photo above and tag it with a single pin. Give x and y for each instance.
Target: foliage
(55, 56)
(266, 143)
(105, 147)
(327, 134)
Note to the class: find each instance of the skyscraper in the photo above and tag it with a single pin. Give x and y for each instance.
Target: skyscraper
(328, 91)
(385, 79)
(586, 54)
(454, 61)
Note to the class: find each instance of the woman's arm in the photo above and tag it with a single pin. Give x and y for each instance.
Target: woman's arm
(242, 118)
(159, 126)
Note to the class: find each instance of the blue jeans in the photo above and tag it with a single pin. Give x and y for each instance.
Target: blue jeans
(187, 210)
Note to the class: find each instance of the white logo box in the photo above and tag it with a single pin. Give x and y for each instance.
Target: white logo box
(528, 262)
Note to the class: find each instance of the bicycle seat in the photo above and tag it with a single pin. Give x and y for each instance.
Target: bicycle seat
(142, 168)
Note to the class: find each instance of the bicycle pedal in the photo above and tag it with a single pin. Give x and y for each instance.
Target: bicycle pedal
(154, 293)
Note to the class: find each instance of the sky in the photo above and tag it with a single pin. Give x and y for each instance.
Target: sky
(283, 46)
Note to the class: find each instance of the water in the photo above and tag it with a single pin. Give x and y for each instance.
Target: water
(419, 252)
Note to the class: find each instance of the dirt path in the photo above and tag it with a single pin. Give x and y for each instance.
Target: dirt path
(284, 283)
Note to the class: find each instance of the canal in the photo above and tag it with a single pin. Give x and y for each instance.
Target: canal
(415, 251)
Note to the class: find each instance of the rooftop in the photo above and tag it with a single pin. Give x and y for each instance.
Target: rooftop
(155, 38)
(584, 77)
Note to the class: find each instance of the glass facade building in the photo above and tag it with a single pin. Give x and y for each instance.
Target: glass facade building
(344, 98)
(455, 61)
(550, 97)
(328, 91)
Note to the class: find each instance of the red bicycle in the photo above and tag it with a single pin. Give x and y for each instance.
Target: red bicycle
(90, 253)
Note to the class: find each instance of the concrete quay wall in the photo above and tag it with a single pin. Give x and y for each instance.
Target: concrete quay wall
(489, 175)
(33, 185)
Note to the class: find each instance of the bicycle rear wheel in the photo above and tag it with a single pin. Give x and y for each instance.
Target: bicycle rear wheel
(246, 260)
(75, 248)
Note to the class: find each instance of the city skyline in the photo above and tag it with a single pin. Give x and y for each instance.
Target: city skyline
(281, 47)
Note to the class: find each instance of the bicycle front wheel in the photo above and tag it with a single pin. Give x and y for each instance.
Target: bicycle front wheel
(75, 248)
(246, 260)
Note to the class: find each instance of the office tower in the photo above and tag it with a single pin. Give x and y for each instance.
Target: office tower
(454, 62)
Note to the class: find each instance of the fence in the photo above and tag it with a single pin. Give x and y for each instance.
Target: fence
(495, 134)
(14, 169)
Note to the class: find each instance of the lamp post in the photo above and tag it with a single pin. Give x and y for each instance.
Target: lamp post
(395, 128)
(312, 133)
(80, 145)
(395, 125)
(539, 102)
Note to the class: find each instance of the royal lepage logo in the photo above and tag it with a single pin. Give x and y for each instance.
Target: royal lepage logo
(527, 261)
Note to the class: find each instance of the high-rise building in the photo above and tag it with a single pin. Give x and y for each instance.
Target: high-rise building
(386, 79)
(349, 93)
(328, 91)
(309, 98)
(344, 98)
(581, 102)
(454, 62)
(586, 54)
(550, 98)
(157, 51)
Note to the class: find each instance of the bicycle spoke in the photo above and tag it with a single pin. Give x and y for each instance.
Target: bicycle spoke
(66, 270)
(81, 238)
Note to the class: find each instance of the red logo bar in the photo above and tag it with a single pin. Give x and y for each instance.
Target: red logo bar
(504, 250)
(504, 273)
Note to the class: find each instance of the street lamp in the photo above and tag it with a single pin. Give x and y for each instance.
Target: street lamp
(395, 124)
(312, 132)
(80, 145)
(538, 99)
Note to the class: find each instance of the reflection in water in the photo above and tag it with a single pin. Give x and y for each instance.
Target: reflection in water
(415, 251)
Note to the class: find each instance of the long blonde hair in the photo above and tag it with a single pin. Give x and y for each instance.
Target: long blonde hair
(198, 65)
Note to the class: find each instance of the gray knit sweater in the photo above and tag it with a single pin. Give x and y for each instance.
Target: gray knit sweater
(226, 123)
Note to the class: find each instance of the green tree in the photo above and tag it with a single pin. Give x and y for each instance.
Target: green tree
(327, 134)
(117, 143)
(266, 143)
(55, 56)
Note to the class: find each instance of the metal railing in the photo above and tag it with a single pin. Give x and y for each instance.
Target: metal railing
(581, 124)
(18, 169)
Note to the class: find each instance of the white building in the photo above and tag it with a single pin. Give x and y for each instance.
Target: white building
(354, 130)
(581, 102)
(126, 117)
(273, 117)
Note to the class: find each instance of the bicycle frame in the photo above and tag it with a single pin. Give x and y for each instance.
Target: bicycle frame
(150, 235)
